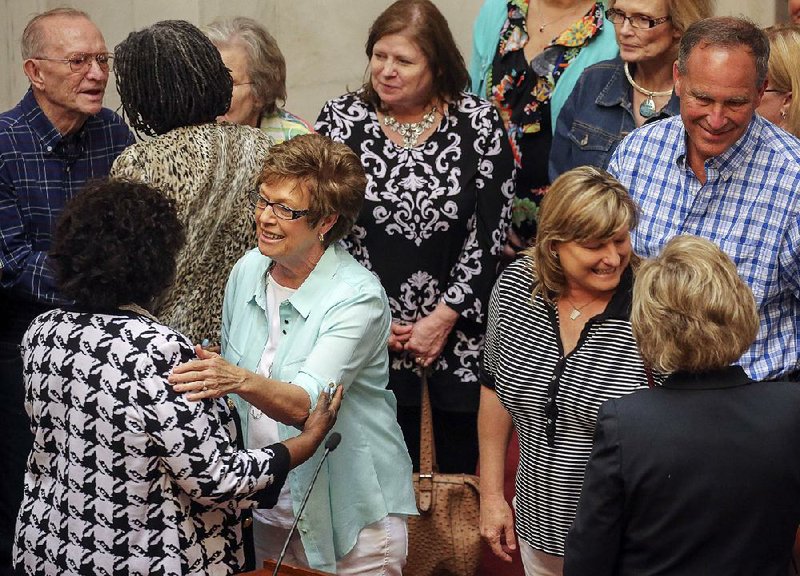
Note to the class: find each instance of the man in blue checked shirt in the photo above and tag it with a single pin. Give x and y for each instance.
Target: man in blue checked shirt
(720, 171)
(51, 143)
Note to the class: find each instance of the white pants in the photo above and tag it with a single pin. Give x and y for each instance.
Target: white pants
(380, 550)
(538, 563)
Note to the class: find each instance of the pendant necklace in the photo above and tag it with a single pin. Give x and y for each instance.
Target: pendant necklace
(647, 109)
(546, 24)
(576, 310)
(410, 131)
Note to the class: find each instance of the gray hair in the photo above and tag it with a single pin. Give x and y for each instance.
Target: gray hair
(727, 32)
(266, 66)
(33, 37)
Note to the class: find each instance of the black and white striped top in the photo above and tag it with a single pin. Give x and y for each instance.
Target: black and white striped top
(523, 354)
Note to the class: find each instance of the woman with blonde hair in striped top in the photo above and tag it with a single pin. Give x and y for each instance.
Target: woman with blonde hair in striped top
(558, 344)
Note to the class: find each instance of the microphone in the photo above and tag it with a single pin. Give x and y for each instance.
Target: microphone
(330, 445)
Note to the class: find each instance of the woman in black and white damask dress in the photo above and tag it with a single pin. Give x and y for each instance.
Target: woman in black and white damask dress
(438, 201)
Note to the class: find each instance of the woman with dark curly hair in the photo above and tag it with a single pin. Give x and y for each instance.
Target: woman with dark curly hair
(125, 475)
(173, 84)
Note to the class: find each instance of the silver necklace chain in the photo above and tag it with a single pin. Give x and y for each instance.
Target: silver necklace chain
(410, 131)
(577, 310)
(544, 25)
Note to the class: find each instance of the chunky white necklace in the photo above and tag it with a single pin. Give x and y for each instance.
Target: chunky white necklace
(411, 131)
(647, 109)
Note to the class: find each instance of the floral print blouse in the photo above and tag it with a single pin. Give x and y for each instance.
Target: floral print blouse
(521, 90)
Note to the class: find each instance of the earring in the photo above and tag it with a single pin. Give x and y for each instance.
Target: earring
(321, 237)
(783, 115)
(554, 254)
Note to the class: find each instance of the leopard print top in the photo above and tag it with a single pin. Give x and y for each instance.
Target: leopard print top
(207, 170)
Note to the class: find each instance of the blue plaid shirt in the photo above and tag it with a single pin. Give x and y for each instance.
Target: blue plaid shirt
(749, 206)
(39, 172)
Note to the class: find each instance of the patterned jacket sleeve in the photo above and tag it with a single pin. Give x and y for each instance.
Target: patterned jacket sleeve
(193, 439)
(473, 275)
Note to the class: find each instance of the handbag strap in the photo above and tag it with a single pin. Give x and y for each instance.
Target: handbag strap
(427, 450)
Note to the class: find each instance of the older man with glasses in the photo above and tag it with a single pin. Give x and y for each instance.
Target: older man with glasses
(51, 143)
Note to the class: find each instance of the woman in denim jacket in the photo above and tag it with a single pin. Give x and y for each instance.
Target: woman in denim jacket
(614, 97)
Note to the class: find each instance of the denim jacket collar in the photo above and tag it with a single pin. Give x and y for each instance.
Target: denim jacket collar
(617, 92)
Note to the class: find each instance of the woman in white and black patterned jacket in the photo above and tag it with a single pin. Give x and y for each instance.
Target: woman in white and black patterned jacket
(125, 475)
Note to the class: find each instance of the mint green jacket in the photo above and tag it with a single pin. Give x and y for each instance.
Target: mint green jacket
(336, 328)
(486, 35)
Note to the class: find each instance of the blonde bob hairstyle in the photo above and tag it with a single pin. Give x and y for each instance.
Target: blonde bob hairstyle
(582, 205)
(783, 73)
(691, 311)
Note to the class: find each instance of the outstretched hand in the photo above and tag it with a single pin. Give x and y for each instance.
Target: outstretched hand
(210, 376)
(323, 417)
(316, 427)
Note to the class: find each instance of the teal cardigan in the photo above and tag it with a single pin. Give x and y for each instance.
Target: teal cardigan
(486, 35)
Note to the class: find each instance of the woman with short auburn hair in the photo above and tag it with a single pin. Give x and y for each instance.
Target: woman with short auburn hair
(301, 315)
(558, 344)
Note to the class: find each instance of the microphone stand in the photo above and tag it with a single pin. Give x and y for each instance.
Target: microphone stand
(330, 445)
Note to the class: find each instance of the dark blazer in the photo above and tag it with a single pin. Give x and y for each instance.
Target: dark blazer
(698, 477)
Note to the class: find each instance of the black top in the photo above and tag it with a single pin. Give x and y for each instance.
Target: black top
(431, 228)
(699, 476)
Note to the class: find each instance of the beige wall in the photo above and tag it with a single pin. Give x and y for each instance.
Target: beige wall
(323, 40)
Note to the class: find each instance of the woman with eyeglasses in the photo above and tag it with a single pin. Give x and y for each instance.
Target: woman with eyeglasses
(526, 57)
(301, 314)
(614, 97)
(558, 344)
(173, 85)
(783, 79)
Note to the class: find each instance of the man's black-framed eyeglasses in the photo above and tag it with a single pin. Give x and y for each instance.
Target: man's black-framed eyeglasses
(80, 61)
(280, 211)
(638, 21)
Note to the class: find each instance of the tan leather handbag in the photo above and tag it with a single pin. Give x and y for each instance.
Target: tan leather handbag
(445, 538)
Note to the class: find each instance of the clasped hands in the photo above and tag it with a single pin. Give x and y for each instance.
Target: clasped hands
(425, 338)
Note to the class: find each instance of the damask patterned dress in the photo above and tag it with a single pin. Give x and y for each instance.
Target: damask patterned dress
(521, 91)
(432, 226)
